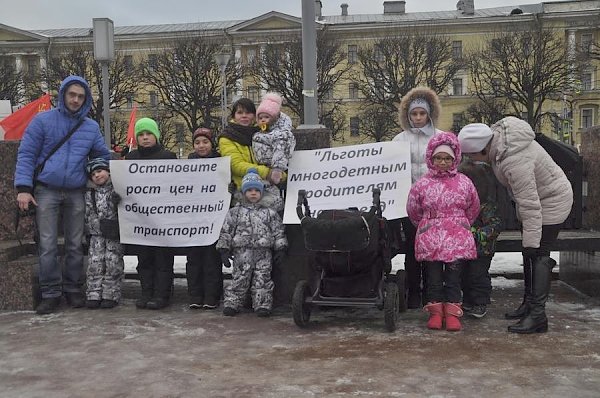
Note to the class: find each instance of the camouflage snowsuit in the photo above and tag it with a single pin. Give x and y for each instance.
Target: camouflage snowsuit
(274, 148)
(250, 233)
(105, 256)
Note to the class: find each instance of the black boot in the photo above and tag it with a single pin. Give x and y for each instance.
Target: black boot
(541, 276)
(523, 309)
(147, 284)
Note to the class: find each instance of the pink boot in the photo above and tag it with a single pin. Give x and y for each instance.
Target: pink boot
(436, 315)
(453, 311)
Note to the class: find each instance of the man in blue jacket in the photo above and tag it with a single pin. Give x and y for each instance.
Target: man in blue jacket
(59, 186)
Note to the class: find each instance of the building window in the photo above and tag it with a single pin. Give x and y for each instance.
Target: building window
(586, 81)
(524, 115)
(250, 55)
(586, 42)
(354, 126)
(152, 62)
(457, 49)
(253, 93)
(179, 131)
(352, 53)
(378, 54)
(32, 67)
(457, 86)
(153, 98)
(353, 90)
(587, 118)
(328, 122)
(457, 122)
(328, 95)
(128, 62)
(379, 87)
(496, 85)
(129, 98)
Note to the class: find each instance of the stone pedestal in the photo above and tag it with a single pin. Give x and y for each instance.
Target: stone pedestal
(8, 196)
(18, 276)
(296, 267)
(582, 269)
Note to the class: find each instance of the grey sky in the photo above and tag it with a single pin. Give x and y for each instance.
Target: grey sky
(46, 14)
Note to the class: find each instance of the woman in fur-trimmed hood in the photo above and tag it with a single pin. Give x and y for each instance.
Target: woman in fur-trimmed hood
(429, 96)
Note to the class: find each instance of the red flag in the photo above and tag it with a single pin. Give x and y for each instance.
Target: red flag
(14, 124)
(131, 129)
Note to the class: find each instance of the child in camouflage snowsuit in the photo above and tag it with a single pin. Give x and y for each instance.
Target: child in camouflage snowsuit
(254, 235)
(105, 257)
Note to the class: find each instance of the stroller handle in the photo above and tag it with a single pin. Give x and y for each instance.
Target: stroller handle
(302, 201)
(377, 201)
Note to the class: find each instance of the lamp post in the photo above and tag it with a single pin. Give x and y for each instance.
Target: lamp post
(104, 53)
(222, 59)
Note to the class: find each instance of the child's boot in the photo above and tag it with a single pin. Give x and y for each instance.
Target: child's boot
(436, 315)
(453, 312)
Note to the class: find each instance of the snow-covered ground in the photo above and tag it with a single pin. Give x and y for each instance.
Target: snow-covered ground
(502, 263)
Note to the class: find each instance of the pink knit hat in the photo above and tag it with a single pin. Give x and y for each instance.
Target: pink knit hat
(271, 105)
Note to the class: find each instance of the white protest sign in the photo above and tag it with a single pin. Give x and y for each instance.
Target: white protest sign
(339, 178)
(173, 203)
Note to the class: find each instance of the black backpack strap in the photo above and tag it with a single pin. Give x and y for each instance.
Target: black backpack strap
(40, 167)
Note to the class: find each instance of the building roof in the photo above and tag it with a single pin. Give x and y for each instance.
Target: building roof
(142, 29)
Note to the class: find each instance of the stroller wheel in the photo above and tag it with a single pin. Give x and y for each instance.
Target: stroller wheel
(401, 281)
(300, 308)
(390, 304)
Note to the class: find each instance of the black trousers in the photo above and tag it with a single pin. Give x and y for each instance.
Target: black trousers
(155, 269)
(443, 281)
(415, 274)
(204, 273)
(549, 236)
(476, 281)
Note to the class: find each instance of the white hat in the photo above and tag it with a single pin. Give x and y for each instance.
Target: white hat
(444, 148)
(474, 137)
(419, 103)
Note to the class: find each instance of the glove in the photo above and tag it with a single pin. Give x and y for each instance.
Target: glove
(278, 256)
(529, 252)
(115, 198)
(225, 259)
(231, 187)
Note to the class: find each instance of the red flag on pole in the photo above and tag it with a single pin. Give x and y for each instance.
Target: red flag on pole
(14, 124)
(131, 142)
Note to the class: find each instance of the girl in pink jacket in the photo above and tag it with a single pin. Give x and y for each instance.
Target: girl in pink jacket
(442, 205)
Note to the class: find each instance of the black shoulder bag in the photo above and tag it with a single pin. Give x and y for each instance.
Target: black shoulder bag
(40, 167)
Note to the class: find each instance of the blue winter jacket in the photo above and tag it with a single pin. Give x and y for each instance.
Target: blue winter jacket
(65, 169)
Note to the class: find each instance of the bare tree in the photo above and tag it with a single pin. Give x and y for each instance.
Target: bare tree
(187, 80)
(124, 79)
(376, 123)
(393, 65)
(526, 66)
(279, 68)
(489, 111)
(11, 81)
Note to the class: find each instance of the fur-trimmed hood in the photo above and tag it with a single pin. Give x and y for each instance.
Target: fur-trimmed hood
(420, 92)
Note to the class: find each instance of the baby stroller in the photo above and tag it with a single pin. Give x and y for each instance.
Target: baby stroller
(350, 254)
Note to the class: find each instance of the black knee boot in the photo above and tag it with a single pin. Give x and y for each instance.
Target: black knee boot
(523, 309)
(536, 321)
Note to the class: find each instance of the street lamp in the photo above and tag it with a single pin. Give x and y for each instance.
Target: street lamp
(104, 53)
(222, 59)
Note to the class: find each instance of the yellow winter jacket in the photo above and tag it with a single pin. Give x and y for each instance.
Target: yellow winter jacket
(242, 159)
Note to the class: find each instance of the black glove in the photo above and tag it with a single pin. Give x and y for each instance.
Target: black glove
(231, 187)
(529, 252)
(115, 198)
(225, 258)
(278, 256)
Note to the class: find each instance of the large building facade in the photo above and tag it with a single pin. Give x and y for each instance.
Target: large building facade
(465, 27)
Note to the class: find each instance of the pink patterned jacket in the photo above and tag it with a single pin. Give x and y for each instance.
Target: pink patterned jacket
(443, 205)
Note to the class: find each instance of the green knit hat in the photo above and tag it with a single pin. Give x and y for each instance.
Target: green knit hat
(147, 124)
